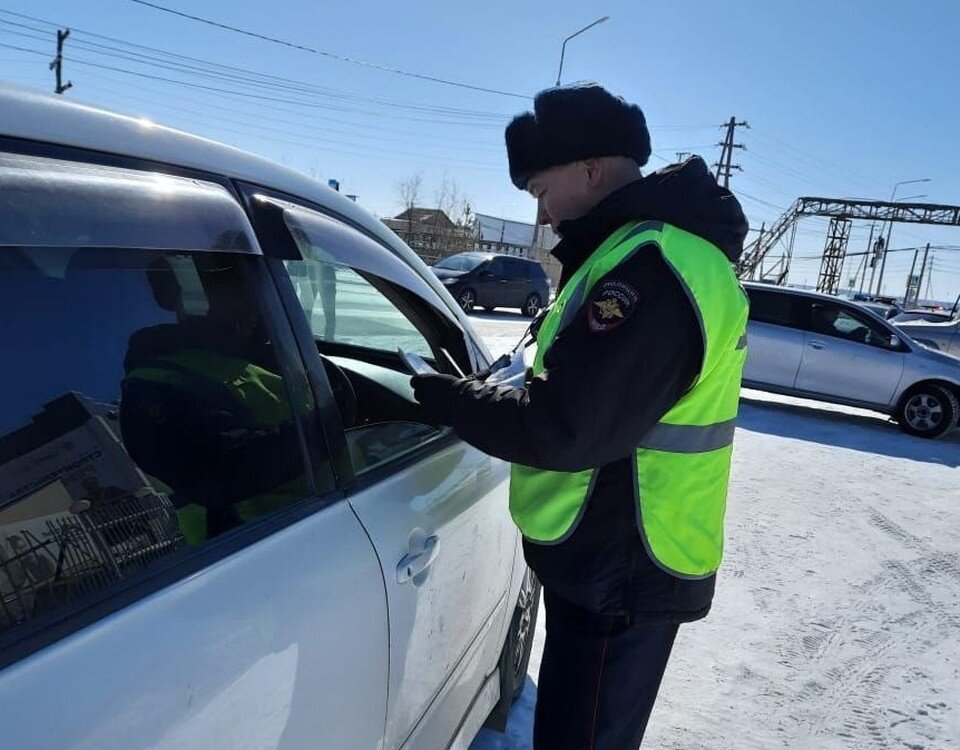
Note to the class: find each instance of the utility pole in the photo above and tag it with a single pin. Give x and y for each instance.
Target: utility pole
(913, 267)
(681, 155)
(563, 47)
(861, 265)
(866, 258)
(725, 164)
(753, 272)
(886, 244)
(883, 261)
(57, 63)
(923, 270)
(879, 250)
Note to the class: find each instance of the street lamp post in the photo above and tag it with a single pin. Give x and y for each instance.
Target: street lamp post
(563, 47)
(883, 262)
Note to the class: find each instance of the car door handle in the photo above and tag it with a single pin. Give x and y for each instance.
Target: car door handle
(818, 345)
(414, 563)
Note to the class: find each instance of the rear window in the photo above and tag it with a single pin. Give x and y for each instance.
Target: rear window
(143, 413)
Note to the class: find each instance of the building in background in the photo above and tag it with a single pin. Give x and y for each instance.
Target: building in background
(432, 234)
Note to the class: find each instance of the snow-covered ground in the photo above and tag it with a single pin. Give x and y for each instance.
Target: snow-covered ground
(836, 622)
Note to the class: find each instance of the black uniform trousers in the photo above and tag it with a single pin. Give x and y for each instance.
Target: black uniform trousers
(598, 679)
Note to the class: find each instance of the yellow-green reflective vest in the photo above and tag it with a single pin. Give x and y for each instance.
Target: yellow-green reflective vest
(683, 462)
(250, 390)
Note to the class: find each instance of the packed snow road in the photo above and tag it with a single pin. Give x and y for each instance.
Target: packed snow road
(837, 617)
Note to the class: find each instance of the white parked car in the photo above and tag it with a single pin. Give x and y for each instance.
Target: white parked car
(223, 522)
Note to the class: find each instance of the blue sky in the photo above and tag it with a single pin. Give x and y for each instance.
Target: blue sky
(843, 98)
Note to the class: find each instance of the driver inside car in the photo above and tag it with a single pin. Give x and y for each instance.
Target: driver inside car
(203, 408)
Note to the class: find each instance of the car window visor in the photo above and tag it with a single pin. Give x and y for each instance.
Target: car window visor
(330, 241)
(54, 203)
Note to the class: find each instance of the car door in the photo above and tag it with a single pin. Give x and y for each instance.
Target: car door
(434, 507)
(518, 286)
(848, 354)
(775, 335)
(954, 345)
(495, 284)
(125, 622)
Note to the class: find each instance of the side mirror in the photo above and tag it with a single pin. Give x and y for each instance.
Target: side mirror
(895, 341)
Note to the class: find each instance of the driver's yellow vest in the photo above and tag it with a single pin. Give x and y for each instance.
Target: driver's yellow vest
(255, 394)
(683, 463)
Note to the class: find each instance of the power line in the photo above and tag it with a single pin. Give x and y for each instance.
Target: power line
(249, 111)
(954, 248)
(233, 74)
(310, 140)
(313, 142)
(809, 156)
(222, 90)
(330, 55)
(740, 193)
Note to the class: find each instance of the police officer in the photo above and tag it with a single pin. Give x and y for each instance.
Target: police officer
(621, 440)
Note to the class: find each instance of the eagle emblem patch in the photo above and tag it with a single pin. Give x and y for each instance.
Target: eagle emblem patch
(610, 306)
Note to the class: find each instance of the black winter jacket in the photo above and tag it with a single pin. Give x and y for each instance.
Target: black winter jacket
(606, 384)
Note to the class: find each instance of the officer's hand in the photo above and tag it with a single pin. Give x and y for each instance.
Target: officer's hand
(434, 393)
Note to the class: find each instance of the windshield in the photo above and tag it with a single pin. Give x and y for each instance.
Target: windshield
(462, 262)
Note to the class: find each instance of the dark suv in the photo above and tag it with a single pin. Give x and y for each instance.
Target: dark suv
(495, 281)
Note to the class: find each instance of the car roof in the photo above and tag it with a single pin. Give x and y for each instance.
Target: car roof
(513, 257)
(793, 290)
(38, 116)
(490, 256)
(814, 295)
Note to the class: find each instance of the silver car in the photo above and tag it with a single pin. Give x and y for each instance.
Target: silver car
(821, 347)
(309, 565)
(944, 335)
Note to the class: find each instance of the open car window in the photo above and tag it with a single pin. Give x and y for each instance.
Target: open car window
(362, 304)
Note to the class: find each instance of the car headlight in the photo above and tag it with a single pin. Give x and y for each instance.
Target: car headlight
(448, 282)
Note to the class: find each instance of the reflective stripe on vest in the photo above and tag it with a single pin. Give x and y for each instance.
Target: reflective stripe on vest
(683, 462)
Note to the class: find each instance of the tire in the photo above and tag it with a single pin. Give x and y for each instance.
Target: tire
(532, 306)
(928, 410)
(515, 657)
(467, 299)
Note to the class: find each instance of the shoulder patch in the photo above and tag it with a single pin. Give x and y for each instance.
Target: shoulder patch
(611, 303)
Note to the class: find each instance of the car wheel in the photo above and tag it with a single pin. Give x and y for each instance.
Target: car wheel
(532, 306)
(467, 299)
(928, 411)
(519, 644)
